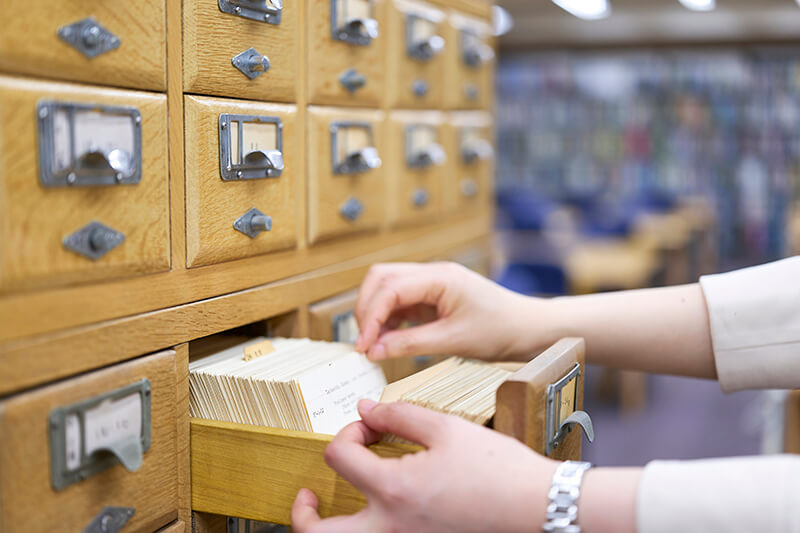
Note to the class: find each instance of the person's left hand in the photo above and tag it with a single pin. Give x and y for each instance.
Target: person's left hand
(469, 478)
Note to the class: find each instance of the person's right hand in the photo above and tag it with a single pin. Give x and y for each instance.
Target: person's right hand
(462, 313)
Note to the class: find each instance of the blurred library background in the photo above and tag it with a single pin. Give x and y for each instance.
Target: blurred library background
(645, 144)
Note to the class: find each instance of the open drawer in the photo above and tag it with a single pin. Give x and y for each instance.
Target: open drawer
(255, 472)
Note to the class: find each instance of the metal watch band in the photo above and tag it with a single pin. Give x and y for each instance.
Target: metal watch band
(562, 511)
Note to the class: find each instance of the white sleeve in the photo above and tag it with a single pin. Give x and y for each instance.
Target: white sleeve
(755, 325)
(741, 495)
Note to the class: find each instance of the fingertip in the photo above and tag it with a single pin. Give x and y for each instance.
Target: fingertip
(366, 405)
(304, 510)
(307, 497)
(377, 352)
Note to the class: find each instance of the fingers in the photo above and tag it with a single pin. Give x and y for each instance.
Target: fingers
(410, 422)
(377, 274)
(432, 338)
(348, 455)
(305, 517)
(425, 286)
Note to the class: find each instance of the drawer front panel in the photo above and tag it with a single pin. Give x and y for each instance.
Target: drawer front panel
(28, 500)
(346, 52)
(218, 60)
(468, 136)
(219, 223)
(417, 166)
(104, 41)
(52, 233)
(469, 63)
(417, 56)
(346, 172)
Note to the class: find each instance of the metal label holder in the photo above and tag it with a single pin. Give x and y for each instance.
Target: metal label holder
(554, 434)
(257, 164)
(269, 11)
(61, 475)
(353, 30)
(421, 157)
(95, 166)
(363, 159)
(423, 50)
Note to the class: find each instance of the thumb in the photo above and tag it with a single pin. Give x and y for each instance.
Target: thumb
(428, 339)
(304, 511)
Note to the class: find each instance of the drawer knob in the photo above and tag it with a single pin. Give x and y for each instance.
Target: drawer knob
(352, 80)
(420, 198)
(426, 49)
(360, 31)
(251, 63)
(432, 154)
(94, 240)
(253, 222)
(110, 520)
(268, 11)
(419, 88)
(477, 150)
(469, 188)
(88, 37)
(351, 210)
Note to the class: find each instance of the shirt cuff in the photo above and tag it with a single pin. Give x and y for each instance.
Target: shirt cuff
(754, 315)
(733, 495)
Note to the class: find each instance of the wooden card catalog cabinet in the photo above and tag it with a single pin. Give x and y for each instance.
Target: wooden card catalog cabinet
(223, 454)
(470, 61)
(468, 137)
(240, 200)
(86, 169)
(346, 52)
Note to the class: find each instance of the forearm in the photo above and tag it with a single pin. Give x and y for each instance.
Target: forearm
(664, 330)
(608, 500)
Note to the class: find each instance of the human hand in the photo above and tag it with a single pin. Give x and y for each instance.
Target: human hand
(462, 312)
(469, 478)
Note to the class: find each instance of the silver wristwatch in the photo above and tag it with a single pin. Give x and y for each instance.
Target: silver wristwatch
(562, 511)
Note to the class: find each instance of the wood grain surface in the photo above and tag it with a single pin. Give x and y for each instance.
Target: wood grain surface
(31, 45)
(478, 172)
(212, 205)
(27, 500)
(35, 219)
(461, 80)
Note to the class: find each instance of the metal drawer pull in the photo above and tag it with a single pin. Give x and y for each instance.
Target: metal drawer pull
(474, 52)
(352, 80)
(351, 210)
(353, 148)
(360, 161)
(479, 149)
(89, 38)
(469, 187)
(110, 520)
(253, 222)
(251, 63)
(420, 198)
(268, 11)
(432, 154)
(263, 136)
(360, 31)
(561, 413)
(94, 240)
(427, 48)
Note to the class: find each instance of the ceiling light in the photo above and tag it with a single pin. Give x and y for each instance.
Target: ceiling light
(586, 9)
(698, 5)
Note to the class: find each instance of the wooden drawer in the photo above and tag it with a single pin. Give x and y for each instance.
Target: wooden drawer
(223, 454)
(213, 41)
(125, 44)
(346, 177)
(219, 226)
(469, 63)
(417, 165)
(345, 65)
(416, 55)
(468, 141)
(38, 221)
(28, 499)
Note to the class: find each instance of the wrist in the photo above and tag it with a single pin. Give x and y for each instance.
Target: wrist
(540, 322)
(608, 500)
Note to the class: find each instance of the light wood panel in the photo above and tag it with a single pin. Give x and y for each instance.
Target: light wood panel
(469, 186)
(31, 44)
(177, 181)
(792, 427)
(405, 181)
(211, 39)
(522, 398)
(329, 58)
(35, 219)
(176, 527)
(45, 358)
(182, 433)
(467, 87)
(328, 191)
(406, 71)
(212, 205)
(27, 500)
